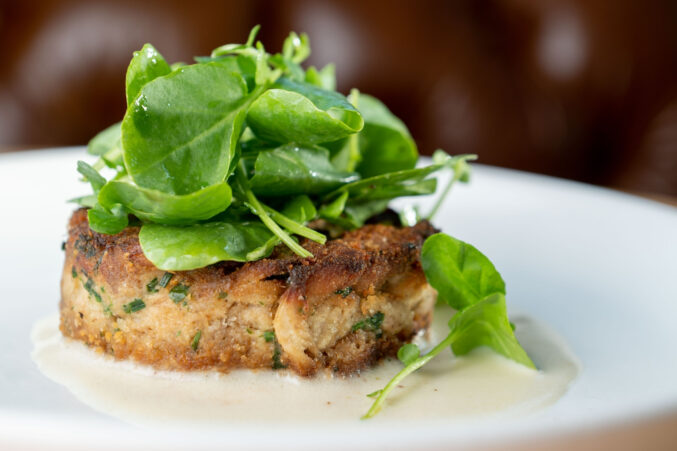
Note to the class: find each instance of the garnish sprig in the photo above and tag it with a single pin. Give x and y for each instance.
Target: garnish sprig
(466, 280)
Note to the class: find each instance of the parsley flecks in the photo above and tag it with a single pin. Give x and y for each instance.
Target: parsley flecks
(223, 295)
(269, 335)
(150, 286)
(74, 273)
(178, 293)
(277, 354)
(166, 277)
(371, 324)
(196, 340)
(89, 286)
(134, 306)
(344, 292)
(84, 244)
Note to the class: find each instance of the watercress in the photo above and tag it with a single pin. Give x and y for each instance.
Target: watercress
(481, 318)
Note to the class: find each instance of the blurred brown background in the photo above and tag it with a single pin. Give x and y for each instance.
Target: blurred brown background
(574, 88)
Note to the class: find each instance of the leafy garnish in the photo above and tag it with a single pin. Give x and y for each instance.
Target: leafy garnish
(317, 115)
(479, 321)
(460, 273)
(147, 64)
(181, 132)
(208, 154)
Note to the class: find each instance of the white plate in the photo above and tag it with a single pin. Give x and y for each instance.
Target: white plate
(598, 266)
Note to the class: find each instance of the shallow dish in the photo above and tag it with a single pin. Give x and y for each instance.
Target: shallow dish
(595, 265)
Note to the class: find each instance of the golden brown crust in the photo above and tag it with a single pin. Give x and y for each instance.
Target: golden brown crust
(324, 310)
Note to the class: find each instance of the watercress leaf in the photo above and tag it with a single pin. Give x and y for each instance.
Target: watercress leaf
(105, 141)
(296, 48)
(460, 273)
(147, 64)
(393, 190)
(245, 65)
(324, 78)
(408, 353)
(231, 48)
(363, 188)
(300, 209)
(355, 214)
(333, 209)
(291, 169)
(180, 133)
(84, 201)
(91, 175)
(107, 221)
(486, 324)
(287, 67)
(385, 143)
(181, 248)
(300, 112)
(161, 207)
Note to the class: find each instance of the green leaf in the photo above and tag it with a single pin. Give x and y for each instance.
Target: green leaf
(147, 64)
(384, 144)
(244, 65)
(355, 214)
(408, 353)
(296, 48)
(107, 140)
(157, 206)
(291, 170)
(384, 185)
(460, 273)
(486, 324)
(177, 248)
(91, 175)
(300, 209)
(180, 134)
(334, 209)
(324, 78)
(84, 201)
(107, 221)
(302, 113)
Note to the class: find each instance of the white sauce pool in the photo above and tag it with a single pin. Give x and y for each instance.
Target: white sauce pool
(478, 385)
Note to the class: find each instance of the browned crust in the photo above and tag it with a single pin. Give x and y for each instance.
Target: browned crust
(236, 306)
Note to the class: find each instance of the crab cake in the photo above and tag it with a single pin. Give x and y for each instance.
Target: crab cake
(357, 300)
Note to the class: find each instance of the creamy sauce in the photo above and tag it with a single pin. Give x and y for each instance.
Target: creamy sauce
(482, 383)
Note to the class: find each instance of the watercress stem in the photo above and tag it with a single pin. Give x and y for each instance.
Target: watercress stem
(294, 227)
(406, 371)
(443, 196)
(260, 211)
